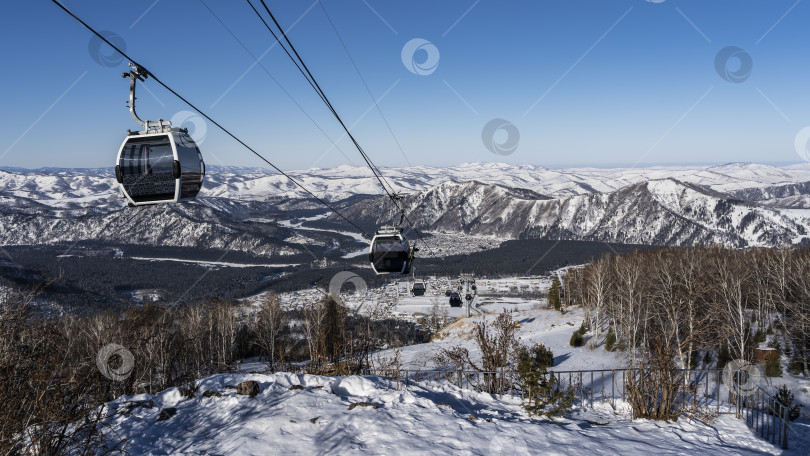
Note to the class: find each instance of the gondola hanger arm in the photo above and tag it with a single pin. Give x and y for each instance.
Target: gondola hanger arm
(139, 73)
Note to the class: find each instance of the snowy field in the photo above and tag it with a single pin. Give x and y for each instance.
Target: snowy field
(216, 264)
(537, 326)
(414, 305)
(554, 330)
(399, 301)
(438, 419)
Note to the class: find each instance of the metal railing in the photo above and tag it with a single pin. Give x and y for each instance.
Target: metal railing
(496, 382)
(703, 389)
(763, 413)
(590, 386)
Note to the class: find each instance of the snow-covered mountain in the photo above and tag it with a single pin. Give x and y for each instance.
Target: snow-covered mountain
(343, 181)
(88, 185)
(181, 225)
(245, 208)
(658, 212)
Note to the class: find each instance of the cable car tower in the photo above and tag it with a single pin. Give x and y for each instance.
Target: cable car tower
(467, 287)
(160, 164)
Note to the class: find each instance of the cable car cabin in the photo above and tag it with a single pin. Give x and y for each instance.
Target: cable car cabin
(418, 288)
(390, 253)
(157, 168)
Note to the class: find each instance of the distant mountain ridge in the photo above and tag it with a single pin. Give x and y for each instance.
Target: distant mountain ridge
(247, 208)
(658, 212)
(347, 180)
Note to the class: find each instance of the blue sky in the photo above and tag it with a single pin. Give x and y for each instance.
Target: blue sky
(583, 82)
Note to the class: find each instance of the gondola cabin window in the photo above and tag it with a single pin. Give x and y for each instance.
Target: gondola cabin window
(191, 164)
(147, 169)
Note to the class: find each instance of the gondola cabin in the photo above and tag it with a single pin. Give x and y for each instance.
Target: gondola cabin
(418, 288)
(390, 253)
(164, 167)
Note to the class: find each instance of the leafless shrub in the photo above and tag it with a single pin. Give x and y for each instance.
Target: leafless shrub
(654, 386)
(499, 347)
(48, 397)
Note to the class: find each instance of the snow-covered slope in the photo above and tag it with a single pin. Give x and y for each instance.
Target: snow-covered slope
(431, 419)
(659, 212)
(306, 414)
(181, 225)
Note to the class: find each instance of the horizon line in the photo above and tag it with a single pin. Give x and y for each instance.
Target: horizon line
(559, 166)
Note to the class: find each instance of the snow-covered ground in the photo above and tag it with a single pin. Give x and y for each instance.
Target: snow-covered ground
(218, 263)
(537, 326)
(417, 419)
(427, 417)
(423, 418)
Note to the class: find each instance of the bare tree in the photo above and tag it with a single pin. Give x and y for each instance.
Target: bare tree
(313, 324)
(223, 330)
(49, 392)
(194, 327)
(778, 269)
(798, 311)
(629, 285)
(694, 287)
(597, 289)
(730, 277)
(438, 316)
(269, 320)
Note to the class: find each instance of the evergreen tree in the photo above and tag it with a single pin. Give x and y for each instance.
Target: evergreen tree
(785, 396)
(610, 340)
(723, 356)
(542, 393)
(554, 294)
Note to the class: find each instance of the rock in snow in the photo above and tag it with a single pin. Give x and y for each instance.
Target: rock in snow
(248, 388)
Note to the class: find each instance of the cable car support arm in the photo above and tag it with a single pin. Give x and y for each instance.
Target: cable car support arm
(139, 73)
